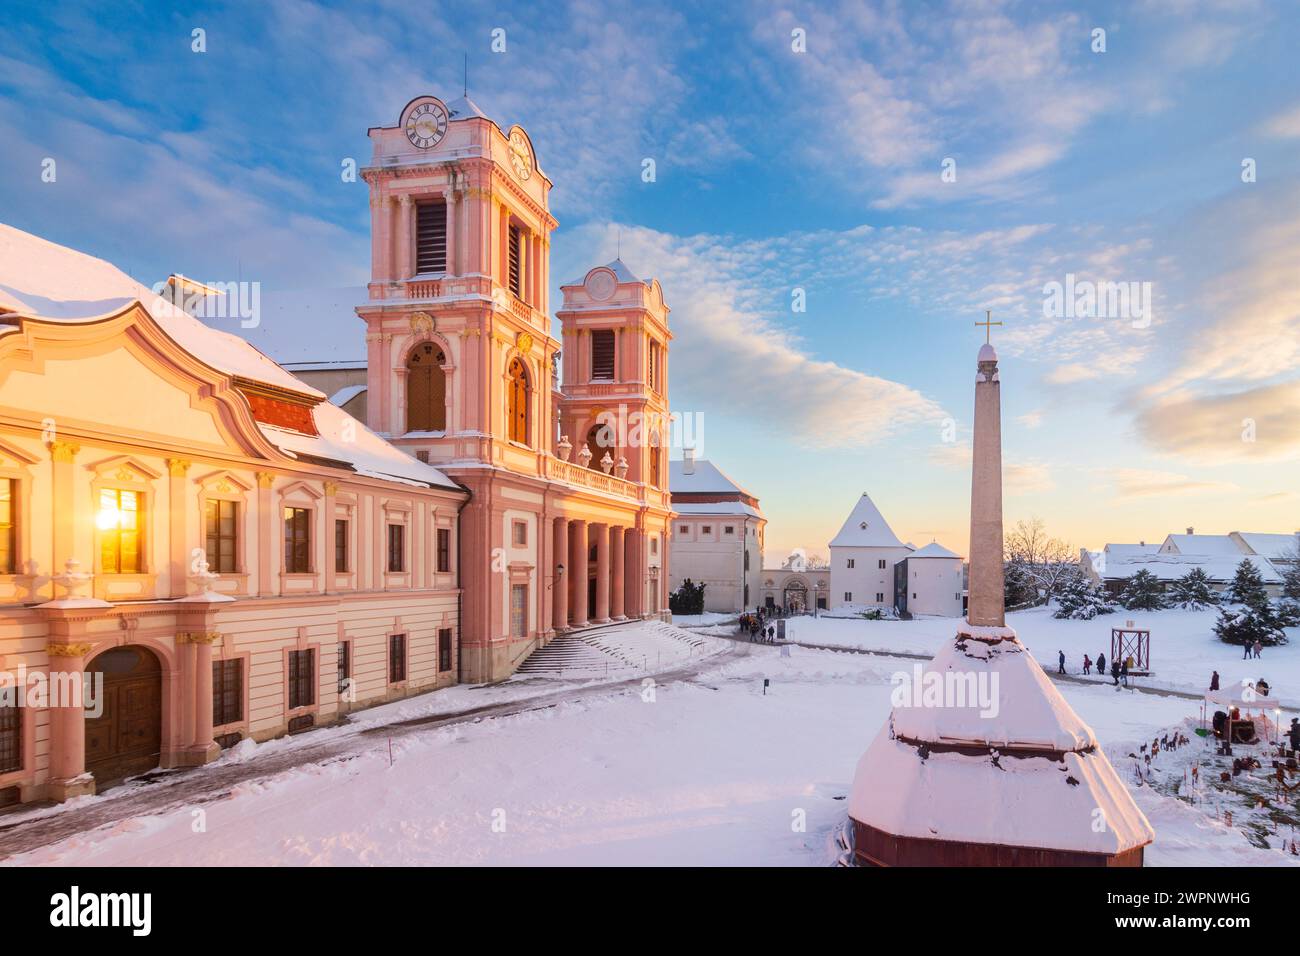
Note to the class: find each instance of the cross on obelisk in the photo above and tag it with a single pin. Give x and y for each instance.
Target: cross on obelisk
(988, 325)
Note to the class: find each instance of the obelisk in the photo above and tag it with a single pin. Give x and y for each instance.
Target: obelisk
(985, 606)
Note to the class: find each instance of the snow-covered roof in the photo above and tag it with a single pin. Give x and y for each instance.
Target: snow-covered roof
(1123, 550)
(621, 272)
(356, 445)
(1040, 789)
(311, 327)
(1271, 546)
(706, 478)
(1168, 566)
(346, 394)
(866, 527)
(464, 108)
(1201, 544)
(934, 550)
(44, 280)
(721, 508)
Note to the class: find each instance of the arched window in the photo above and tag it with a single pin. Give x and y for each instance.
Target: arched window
(517, 411)
(426, 390)
(600, 441)
(655, 457)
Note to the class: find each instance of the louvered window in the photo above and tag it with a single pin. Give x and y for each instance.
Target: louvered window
(602, 355)
(431, 237)
(515, 252)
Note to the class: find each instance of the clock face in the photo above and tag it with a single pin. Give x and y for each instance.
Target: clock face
(426, 125)
(521, 158)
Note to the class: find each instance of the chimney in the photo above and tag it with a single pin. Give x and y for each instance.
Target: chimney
(1191, 531)
(688, 461)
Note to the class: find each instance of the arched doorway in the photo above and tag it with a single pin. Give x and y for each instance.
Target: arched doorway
(795, 596)
(126, 739)
(517, 401)
(426, 389)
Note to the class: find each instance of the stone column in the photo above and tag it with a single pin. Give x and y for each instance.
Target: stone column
(266, 537)
(635, 576)
(578, 570)
(68, 777)
(204, 748)
(560, 582)
(185, 660)
(600, 532)
(177, 557)
(405, 268)
(617, 597)
(453, 240)
(986, 596)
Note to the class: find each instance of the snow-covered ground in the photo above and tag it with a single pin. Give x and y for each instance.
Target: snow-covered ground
(711, 771)
(707, 619)
(1184, 648)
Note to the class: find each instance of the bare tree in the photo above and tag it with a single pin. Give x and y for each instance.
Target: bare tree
(1049, 562)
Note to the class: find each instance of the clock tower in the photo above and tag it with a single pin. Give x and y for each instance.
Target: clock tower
(457, 329)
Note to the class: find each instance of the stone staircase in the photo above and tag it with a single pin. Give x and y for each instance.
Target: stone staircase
(616, 651)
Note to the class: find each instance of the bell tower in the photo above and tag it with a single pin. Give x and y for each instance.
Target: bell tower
(457, 330)
(615, 355)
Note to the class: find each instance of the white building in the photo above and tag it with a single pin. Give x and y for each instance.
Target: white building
(930, 581)
(1218, 555)
(863, 556)
(717, 536)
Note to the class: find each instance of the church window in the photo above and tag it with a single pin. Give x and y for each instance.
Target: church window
(517, 410)
(654, 366)
(120, 523)
(396, 548)
(297, 540)
(850, 564)
(426, 389)
(11, 736)
(519, 610)
(430, 237)
(515, 266)
(602, 355)
(848, 595)
(222, 518)
(880, 598)
(882, 564)
(519, 531)
(654, 462)
(8, 527)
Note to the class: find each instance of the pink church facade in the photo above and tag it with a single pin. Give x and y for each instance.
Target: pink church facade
(569, 511)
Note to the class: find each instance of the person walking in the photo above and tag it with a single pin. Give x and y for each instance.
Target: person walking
(1114, 672)
(1101, 664)
(1060, 664)
(1087, 664)
(1258, 648)
(1123, 671)
(1214, 681)
(1245, 651)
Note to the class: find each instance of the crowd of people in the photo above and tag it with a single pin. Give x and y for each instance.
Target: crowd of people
(1118, 668)
(760, 624)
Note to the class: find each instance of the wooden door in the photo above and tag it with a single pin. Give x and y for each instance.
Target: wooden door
(126, 739)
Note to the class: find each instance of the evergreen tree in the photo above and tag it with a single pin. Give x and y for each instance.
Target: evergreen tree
(1249, 623)
(1080, 600)
(1291, 576)
(1142, 592)
(1017, 585)
(1193, 591)
(1248, 586)
(687, 599)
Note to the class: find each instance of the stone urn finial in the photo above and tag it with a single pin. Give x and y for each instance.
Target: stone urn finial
(204, 577)
(606, 463)
(72, 580)
(564, 447)
(584, 456)
(620, 469)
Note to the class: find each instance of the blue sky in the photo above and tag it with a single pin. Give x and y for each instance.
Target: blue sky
(776, 170)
